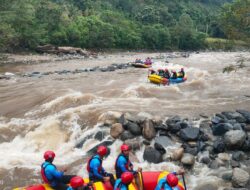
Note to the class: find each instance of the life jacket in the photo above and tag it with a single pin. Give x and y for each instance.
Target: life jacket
(164, 183)
(44, 177)
(120, 185)
(88, 164)
(128, 164)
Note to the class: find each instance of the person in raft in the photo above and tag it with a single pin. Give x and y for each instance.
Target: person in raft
(148, 61)
(50, 175)
(77, 183)
(170, 181)
(181, 73)
(123, 182)
(123, 164)
(95, 169)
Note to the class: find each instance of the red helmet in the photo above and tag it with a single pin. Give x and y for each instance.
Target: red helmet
(172, 180)
(49, 155)
(127, 177)
(102, 150)
(125, 147)
(76, 181)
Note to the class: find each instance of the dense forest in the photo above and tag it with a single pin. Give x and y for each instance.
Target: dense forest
(121, 24)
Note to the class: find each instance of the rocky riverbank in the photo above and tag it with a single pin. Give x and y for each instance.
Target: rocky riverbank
(222, 141)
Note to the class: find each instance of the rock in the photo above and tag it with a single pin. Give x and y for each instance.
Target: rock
(235, 189)
(224, 156)
(148, 130)
(237, 126)
(116, 130)
(109, 117)
(234, 139)
(214, 164)
(239, 156)
(126, 135)
(246, 145)
(163, 133)
(134, 144)
(162, 127)
(100, 135)
(152, 155)
(221, 128)
(122, 120)
(227, 175)
(160, 148)
(164, 141)
(247, 127)
(216, 120)
(240, 177)
(208, 185)
(219, 145)
(203, 157)
(177, 154)
(134, 128)
(171, 123)
(146, 142)
(235, 115)
(94, 149)
(235, 164)
(246, 115)
(189, 133)
(190, 150)
(188, 159)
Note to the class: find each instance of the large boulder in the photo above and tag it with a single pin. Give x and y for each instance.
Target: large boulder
(189, 133)
(177, 154)
(219, 145)
(221, 128)
(240, 178)
(235, 115)
(234, 139)
(134, 128)
(152, 155)
(203, 157)
(148, 130)
(116, 130)
(246, 115)
(164, 141)
(126, 135)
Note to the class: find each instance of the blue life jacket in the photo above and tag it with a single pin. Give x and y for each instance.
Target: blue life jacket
(163, 185)
(119, 185)
(122, 164)
(95, 168)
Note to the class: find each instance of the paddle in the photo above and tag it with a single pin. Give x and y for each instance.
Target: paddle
(142, 181)
(183, 179)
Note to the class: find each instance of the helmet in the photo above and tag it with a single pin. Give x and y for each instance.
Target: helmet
(76, 181)
(172, 180)
(125, 147)
(49, 155)
(102, 150)
(127, 177)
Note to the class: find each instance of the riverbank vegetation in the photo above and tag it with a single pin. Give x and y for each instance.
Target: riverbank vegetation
(130, 24)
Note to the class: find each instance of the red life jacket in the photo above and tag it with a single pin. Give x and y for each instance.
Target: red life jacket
(88, 164)
(44, 177)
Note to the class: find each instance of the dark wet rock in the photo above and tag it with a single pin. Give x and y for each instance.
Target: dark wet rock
(188, 159)
(240, 178)
(219, 145)
(81, 142)
(234, 139)
(227, 175)
(152, 155)
(160, 148)
(135, 144)
(204, 115)
(163, 133)
(162, 127)
(94, 149)
(203, 157)
(35, 73)
(111, 68)
(237, 126)
(126, 135)
(164, 141)
(235, 115)
(201, 146)
(100, 135)
(122, 120)
(217, 120)
(148, 130)
(190, 150)
(239, 156)
(116, 130)
(246, 145)
(177, 154)
(134, 128)
(221, 128)
(146, 142)
(246, 127)
(173, 119)
(215, 164)
(246, 115)
(189, 133)
(182, 124)
(235, 164)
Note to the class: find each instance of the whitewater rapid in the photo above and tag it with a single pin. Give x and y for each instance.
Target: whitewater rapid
(58, 111)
